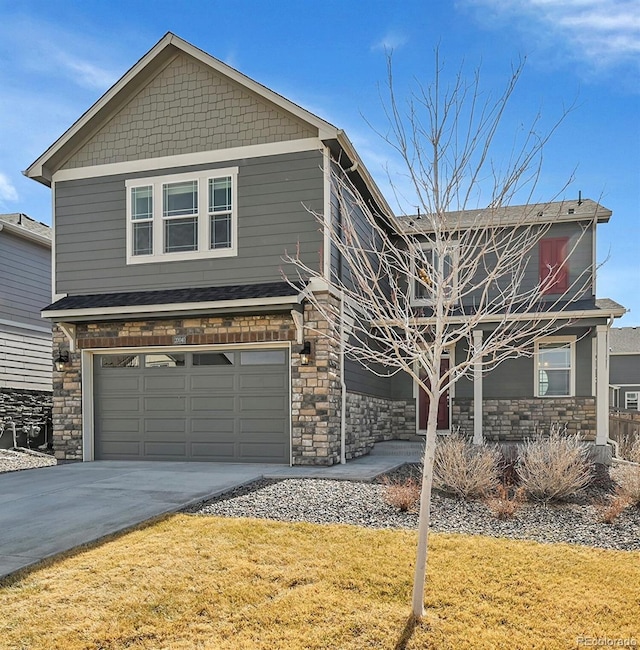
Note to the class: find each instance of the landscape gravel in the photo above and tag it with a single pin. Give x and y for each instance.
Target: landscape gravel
(362, 504)
(13, 461)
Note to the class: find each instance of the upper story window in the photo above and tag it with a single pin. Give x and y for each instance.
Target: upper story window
(182, 217)
(433, 269)
(553, 262)
(555, 367)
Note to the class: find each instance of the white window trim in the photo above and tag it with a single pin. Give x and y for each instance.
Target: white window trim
(203, 252)
(572, 372)
(429, 245)
(637, 399)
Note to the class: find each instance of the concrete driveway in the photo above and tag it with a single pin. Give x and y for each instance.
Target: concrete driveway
(50, 510)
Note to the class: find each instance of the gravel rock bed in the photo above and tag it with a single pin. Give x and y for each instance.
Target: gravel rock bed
(362, 504)
(13, 461)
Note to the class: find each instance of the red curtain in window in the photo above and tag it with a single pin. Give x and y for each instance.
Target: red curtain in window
(553, 261)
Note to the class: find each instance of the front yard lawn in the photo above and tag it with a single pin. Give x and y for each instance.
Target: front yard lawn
(204, 582)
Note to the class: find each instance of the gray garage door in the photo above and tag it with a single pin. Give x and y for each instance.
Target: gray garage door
(217, 406)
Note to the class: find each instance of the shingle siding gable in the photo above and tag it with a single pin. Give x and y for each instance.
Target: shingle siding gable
(187, 108)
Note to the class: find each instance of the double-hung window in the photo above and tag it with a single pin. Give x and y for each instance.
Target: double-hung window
(182, 217)
(555, 367)
(631, 400)
(434, 271)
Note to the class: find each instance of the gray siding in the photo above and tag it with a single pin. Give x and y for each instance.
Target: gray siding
(515, 378)
(624, 369)
(25, 359)
(360, 380)
(273, 193)
(580, 262)
(25, 280)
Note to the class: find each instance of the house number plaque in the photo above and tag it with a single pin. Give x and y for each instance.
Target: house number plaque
(180, 340)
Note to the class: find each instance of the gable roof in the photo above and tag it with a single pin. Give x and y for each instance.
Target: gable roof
(24, 226)
(159, 56)
(512, 215)
(624, 340)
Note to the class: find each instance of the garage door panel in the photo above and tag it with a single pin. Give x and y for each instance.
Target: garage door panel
(120, 449)
(165, 383)
(163, 450)
(164, 425)
(212, 404)
(118, 426)
(126, 384)
(214, 450)
(264, 404)
(255, 451)
(120, 404)
(229, 412)
(272, 381)
(166, 403)
(212, 425)
(261, 425)
(222, 382)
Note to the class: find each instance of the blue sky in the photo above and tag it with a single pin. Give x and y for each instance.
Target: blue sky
(57, 58)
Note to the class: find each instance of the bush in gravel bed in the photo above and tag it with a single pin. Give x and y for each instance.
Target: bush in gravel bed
(555, 467)
(465, 469)
(403, 495)
(503, 504)
(627, 477)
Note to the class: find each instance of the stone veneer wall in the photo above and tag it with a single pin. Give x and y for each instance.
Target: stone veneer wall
(315, 388)
(514, 420)
(316, 396)
(24, 407)
(374, 419)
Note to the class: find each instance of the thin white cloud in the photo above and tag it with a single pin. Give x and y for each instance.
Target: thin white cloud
(604, 33)
(8, 192)
(85, 73)
(392, 40)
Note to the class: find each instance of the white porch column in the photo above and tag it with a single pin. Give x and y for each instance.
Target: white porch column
(602, 384)
(477, 391)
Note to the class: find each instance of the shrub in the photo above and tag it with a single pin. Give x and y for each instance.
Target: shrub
(627, 476)
(502, 504)
(610, 512)
(403, 495)
(464, 469)
(554, 468)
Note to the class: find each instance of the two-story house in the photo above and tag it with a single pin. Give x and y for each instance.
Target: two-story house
(175, 197)
(25, 338)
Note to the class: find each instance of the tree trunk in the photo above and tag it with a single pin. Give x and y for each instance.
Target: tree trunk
(425, 509)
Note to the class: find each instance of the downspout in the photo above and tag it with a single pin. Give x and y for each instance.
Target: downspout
(611, 441)
(343, 388)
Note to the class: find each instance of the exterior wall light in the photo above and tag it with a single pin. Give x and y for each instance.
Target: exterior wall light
(61, 360)
(305, 354)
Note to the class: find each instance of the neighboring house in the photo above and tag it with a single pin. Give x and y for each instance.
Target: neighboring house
(624, 368)
(175, 197)
(25, 338)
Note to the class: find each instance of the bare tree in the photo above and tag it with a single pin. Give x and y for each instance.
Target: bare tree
(411, 288)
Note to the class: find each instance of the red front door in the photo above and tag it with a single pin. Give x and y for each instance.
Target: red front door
(443, 404)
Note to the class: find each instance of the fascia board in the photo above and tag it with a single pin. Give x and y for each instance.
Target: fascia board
(26, 234)
(559, 315)
(158, 310)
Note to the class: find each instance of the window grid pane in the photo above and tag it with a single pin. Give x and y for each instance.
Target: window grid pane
(141, 203)
(554, 369)
(180, 235)
(180, 199)
(220, 194)
(220, 228)
(143, 238)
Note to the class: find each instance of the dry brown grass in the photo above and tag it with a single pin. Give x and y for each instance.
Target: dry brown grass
(227, 584)
(504, 504)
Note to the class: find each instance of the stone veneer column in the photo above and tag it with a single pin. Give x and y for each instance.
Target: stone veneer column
(316, 395)
(67, 403)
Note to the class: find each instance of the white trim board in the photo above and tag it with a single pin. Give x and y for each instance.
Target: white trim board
(182, 160)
